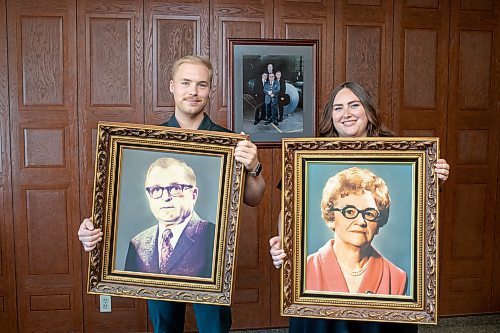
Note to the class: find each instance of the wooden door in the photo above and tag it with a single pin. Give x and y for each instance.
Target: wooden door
(468, 253)
(44, 139)
(300, 20)
(245, 19)
(172, 30)
(363, 37)
(110, 88)
(8, 306)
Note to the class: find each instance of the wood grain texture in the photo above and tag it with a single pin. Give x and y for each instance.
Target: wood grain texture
(311, 21)
(44, 147)
(467, 273)
(173, 30)
(110, 58)
(364, 57)
(42, 86)
(363, 44)
(243, 19)
(42, 60)
(122, 100)
(474, 81)
(420, 77)
(420, 69)
(431, 4)
(8, 306)
(236, 19)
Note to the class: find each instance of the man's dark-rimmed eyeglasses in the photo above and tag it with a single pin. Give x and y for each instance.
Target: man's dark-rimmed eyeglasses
(351, 212)
(174, 190)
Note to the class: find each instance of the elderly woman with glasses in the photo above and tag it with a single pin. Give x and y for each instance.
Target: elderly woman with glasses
(355, 205)
(350, 112)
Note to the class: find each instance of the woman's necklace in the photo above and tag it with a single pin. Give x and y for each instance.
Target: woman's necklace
(358, 272)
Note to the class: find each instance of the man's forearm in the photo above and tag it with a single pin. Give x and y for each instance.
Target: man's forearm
(254, 190)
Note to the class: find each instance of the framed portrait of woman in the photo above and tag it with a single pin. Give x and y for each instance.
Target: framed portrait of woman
(360, 229)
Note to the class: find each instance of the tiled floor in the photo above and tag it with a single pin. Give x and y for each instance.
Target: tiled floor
(468, 324)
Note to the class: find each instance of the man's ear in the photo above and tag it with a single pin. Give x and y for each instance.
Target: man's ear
(171, 86)
(195, 193)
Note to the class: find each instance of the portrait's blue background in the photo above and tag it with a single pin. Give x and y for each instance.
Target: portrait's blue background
(134, 214)
(395, 239)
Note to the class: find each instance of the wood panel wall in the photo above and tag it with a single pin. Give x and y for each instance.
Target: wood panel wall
(433, 67)
(473, 148)
(44, 167)
(8, 306)
(110, 59)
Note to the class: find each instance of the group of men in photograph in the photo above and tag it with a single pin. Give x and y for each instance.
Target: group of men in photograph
(270, 93)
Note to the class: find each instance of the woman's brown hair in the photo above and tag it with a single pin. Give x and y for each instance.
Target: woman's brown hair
(374, 128)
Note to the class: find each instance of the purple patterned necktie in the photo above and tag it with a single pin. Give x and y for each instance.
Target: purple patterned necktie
(166, 250)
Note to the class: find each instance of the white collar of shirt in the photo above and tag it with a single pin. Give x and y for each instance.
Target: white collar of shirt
(176, 229)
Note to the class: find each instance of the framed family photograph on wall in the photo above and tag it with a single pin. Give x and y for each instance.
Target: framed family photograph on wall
(272, 92)
(360, 229)
(167, 201)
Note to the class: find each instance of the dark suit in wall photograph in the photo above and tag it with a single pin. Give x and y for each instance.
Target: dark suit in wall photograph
(283, 99)
(271, 89)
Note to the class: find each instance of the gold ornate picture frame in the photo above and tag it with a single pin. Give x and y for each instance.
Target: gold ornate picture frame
(122, 209)
(404, 238)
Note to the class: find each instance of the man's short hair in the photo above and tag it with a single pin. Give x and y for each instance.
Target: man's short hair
(166, 162)
(195, 60)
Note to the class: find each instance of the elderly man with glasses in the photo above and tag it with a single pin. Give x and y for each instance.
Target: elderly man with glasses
(181, 243)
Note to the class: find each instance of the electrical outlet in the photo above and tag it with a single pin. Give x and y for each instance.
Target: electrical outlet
(105, 303)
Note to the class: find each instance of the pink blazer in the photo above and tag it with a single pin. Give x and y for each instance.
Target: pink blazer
(323, 273)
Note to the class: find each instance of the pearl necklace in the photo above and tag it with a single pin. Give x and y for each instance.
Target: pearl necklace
(358, 272)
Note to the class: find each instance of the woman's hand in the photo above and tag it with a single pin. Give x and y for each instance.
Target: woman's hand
(442, 169)
(88, 235)
(277, 253)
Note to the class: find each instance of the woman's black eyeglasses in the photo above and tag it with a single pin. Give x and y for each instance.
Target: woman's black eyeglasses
(351, 212)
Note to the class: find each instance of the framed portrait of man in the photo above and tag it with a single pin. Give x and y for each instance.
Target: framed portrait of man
(360, 223)
(167, 201)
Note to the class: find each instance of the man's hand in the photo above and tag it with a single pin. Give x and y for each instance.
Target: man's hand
(88, 235)
(246, 153)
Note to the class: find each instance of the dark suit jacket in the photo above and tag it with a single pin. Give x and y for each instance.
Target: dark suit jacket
(191, 256)
(282, 85)
(282, 91)
(259, 91)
